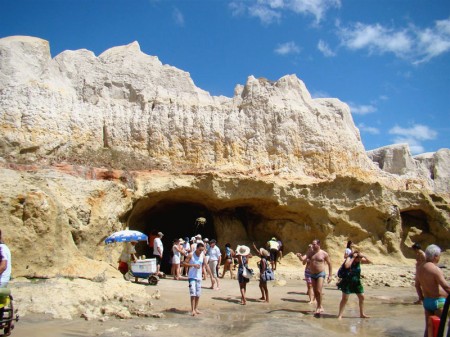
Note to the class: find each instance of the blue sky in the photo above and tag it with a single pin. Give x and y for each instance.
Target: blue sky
(388, 59)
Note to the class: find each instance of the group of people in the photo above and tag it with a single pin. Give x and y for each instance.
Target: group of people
(197, 258)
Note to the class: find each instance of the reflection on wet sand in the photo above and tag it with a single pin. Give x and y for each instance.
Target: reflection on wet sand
(288, 314)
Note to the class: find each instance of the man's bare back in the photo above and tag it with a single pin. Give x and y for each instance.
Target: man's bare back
(432, 281)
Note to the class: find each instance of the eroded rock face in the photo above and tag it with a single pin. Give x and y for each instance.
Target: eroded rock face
(269, 161)
(430, 170)
(130, 102)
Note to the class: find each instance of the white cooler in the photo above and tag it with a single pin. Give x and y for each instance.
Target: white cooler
(143, 268)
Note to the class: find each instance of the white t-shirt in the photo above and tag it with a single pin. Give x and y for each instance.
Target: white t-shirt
(157, 243)
(6, 255)
(126, 252)
(214, 253)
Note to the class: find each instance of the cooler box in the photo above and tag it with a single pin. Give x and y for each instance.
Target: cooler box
(143, 268)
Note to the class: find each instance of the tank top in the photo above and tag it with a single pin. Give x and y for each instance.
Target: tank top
(176, 253)
(195, 273)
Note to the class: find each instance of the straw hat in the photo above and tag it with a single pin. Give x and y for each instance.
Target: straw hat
(264, 252)
(242, 250)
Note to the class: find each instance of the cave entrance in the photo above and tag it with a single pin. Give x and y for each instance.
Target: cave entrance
(175, 219)
(415, 226)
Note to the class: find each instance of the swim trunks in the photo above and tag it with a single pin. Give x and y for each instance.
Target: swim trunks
(308, 276)
(318, 275)
(432, 304)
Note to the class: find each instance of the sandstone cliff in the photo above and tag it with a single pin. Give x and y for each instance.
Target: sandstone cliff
(269, 161)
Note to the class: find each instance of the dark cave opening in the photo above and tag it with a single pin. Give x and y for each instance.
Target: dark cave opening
(415, 226)
(175, 219)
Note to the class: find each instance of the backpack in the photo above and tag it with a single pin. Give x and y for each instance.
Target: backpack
(343, 272)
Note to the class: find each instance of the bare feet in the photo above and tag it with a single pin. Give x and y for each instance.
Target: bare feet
(197, 312)
(364, 316)
(193, 313)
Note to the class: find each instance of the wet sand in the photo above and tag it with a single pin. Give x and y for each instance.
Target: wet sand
(288, 314)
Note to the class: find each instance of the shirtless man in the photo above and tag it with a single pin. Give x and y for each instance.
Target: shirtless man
(420, 260)
(317, 259)
(433, 289)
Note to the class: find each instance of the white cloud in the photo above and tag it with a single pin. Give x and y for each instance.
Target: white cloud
(368, 129)
(265, 14)
(361, 109)
(320, 94)
(376, 38)
(178, 17)
(434, 41)
(314, 7)
(412, 43)
(326, 51)
(413, 136)
(269, 11)
(417, 131)
(287, 48)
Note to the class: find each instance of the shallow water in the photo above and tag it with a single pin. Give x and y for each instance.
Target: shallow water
(288, 315)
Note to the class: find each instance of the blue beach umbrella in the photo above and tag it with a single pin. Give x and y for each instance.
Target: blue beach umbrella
(126, 236)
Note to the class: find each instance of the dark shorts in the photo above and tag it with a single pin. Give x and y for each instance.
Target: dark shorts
(273, 254)
(158, 259)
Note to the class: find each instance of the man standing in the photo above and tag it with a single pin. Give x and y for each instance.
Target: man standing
(273, 247)
(127, 256)
(317, 259)
(195, 261)
(5, 264)
(215, 256)
(432, 287)
(420, 260)
(158, 250)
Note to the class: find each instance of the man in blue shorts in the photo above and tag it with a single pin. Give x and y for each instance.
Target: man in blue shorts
(432, 287)
(194, 261)
(317, 260)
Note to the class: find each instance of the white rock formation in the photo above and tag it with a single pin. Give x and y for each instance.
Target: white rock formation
(432, 168)
(129, 101)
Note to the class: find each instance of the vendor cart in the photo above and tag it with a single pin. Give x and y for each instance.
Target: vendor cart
(145, 269)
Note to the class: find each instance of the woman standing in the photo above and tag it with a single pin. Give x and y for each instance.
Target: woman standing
(351, 282)
(348, 250)
(177, 250)
(243, 254)
(263, 266)
(228, 261)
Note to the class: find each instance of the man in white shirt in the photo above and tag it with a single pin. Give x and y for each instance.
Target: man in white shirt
(5, 264)
(215, 257)
(158, 250)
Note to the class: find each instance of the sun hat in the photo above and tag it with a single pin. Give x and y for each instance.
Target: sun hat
(242, 250)
(264, 252)
(274, 239)
(206, 239)
(213, 241)
(181, 240)
(160, 234)
(198, 236)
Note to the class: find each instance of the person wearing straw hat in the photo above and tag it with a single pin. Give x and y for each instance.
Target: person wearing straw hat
(243, 254)
(263, 266)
